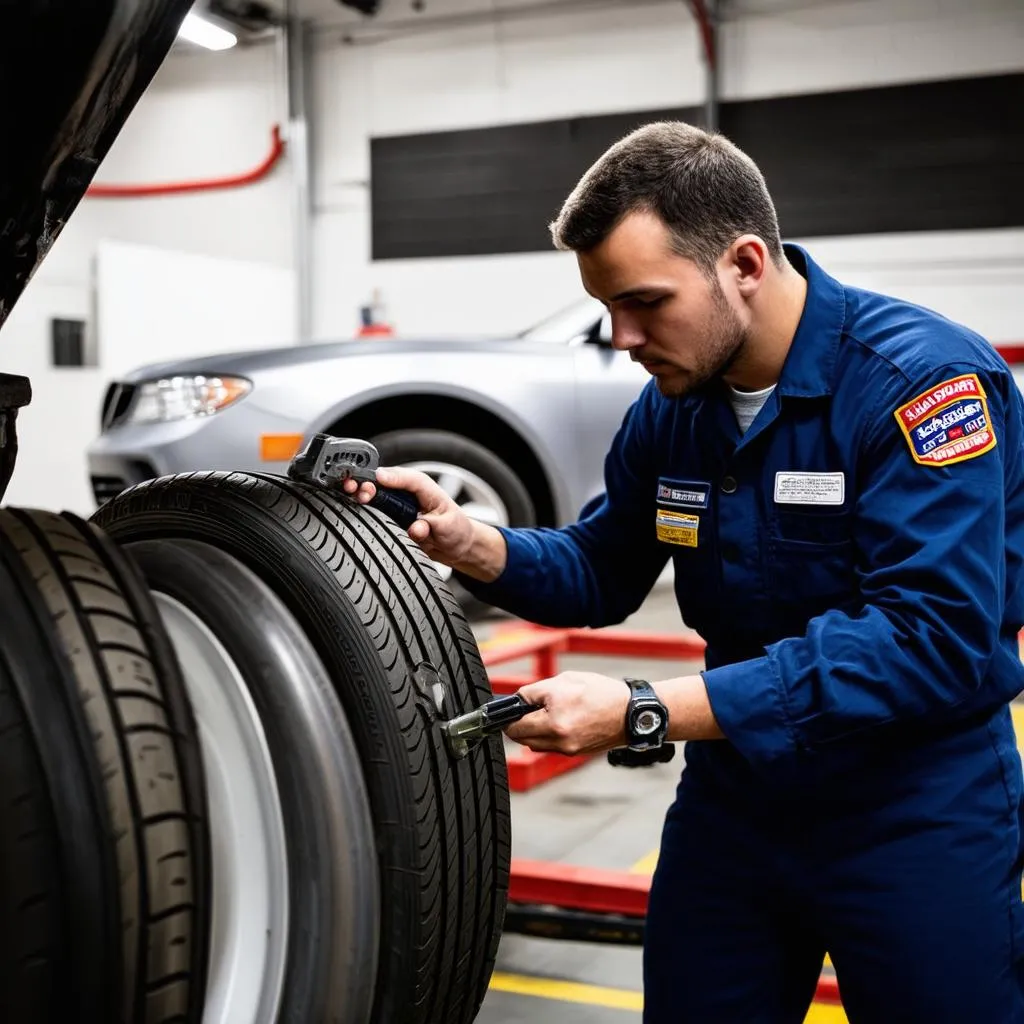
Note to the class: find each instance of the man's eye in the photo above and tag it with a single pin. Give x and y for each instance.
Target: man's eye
(651, 303)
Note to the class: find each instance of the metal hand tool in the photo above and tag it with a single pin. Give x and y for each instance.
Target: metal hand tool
(328, 461)
(463, 732)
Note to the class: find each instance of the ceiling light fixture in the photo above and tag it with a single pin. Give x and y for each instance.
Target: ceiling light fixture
(367, 7)
(198, 30)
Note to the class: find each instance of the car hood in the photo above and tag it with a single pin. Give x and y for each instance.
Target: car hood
(77, 71)
(251, 362)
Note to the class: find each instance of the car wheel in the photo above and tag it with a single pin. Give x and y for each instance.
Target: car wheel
(105, 887)
(481, 483)
(295, 877)
(401, 656)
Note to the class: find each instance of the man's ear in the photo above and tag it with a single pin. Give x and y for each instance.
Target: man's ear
(747, 262)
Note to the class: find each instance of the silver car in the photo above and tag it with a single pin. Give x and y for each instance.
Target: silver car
(514, 429)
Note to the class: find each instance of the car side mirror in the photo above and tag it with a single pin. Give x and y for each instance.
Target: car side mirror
(602, 332)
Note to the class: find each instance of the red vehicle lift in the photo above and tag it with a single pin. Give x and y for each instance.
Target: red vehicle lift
(544, 645)
(566, 901)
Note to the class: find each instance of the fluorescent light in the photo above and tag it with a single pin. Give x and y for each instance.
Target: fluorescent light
(198, 30)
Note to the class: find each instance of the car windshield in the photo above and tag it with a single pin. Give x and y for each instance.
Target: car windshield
(567, 324)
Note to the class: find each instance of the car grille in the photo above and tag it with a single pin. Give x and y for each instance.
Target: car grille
(110, 486)
(106, 487)
(116, 403)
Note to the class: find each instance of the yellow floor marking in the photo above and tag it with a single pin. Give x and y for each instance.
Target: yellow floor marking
(826, 1013)
(504, 637)
(1017, 714)
(646, 864)
(616, 998)
(568, 991)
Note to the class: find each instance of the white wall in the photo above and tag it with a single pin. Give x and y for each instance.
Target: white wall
(633, 56)
(211, 114)
(205, 116)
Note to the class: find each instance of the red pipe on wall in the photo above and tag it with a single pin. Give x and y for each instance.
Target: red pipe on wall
(700, 12)
(204, 185)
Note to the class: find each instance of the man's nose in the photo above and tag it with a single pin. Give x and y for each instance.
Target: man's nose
(626, 332)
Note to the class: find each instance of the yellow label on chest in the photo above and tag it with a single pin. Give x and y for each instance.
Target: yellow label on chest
(677, 528)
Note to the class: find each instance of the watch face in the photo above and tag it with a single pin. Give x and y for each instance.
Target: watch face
(647, 721)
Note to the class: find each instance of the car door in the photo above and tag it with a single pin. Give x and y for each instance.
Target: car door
(607, 381)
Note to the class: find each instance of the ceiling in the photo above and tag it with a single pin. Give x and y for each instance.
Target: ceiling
(392, 13)
(332, 12)
(401, 17)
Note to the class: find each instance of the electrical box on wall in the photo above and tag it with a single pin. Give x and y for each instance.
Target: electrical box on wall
(67, 342)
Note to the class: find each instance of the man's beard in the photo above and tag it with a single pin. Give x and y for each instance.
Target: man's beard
(724, 335)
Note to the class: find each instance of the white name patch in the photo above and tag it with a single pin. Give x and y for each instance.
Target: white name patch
(810, 488)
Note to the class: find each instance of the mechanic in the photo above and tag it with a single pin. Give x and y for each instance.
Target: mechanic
(837, 478)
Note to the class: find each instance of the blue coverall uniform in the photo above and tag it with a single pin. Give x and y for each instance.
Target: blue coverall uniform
(854, 564)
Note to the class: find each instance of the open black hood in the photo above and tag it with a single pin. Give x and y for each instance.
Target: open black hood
(71, 71)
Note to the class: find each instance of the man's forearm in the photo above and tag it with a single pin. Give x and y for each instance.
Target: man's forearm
(689, 709)
(487, 555)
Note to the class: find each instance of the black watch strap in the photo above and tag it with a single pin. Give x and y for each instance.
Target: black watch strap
(642, 696)
(623, 757)
(628, 757)
(641, 688)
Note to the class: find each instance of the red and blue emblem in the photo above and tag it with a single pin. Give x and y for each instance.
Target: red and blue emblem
(948, 423)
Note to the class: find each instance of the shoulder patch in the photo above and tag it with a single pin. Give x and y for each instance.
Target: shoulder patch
(948, 423)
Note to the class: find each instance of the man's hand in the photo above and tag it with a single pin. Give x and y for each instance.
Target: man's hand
(444, 532)
(584, 713)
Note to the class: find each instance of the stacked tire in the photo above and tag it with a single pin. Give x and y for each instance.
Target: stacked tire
(225, 792)
(104, 887)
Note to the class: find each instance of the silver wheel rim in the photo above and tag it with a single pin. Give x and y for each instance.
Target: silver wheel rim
(249, 936)
(474, 495)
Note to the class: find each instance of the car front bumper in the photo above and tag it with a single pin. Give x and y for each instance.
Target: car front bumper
(232, 440)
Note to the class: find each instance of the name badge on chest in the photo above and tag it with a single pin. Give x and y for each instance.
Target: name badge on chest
(793, 488)
(675, 523)
(683, 493)
(677, 528)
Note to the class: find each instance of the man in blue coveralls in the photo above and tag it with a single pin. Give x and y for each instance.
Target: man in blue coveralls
(837, 477)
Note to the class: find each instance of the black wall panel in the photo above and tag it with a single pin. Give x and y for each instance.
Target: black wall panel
(918, 157)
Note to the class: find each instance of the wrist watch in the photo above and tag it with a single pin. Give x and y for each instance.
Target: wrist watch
(646, 717)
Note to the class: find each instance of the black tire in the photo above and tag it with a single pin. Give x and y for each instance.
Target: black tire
(402, 447)
(114, 789)
(34, 949)
(334, 914)
(386, 631)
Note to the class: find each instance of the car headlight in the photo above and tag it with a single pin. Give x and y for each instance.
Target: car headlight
(183, 398)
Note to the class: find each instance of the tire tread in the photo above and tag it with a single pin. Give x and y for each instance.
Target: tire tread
(110, 654)
(446, 875)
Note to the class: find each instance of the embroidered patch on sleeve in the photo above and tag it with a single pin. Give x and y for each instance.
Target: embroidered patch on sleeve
(948, 423)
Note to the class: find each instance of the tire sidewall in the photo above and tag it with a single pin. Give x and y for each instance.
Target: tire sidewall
(333, 931)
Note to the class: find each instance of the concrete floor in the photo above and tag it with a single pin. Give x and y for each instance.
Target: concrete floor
(595, 816)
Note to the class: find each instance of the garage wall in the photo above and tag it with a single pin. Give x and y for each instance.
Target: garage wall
(638, 56)
(947, 155)
(205, 115)
(211, 114)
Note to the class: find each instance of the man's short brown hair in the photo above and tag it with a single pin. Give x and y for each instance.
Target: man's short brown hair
(705, 189)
